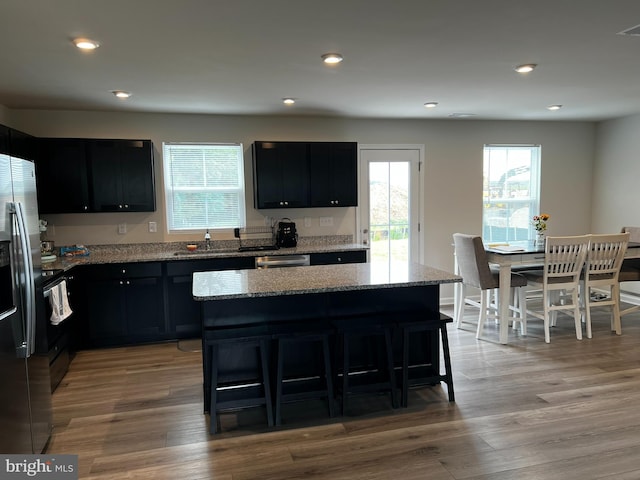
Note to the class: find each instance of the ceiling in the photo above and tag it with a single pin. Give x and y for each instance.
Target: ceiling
(245, 56)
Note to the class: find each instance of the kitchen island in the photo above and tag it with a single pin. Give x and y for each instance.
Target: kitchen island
(238, 298)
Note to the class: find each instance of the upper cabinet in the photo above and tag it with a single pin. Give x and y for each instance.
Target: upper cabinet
(280, 174)
(304, 174)
(4, 139)
(333, 170)
(121, 174)
(92, 175)
(62, 176)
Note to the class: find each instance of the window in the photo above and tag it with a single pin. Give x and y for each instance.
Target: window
(510, 191)
(204, 185)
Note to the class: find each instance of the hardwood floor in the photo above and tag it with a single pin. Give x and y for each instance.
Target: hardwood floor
(527, 410)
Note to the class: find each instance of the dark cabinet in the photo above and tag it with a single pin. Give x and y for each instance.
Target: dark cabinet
(330, 258)
(77, 175)
(183, 310)
(125, 304)
(122, 175)
(4, 139)
(22, 144)
(333, 173)
(281, 174)
(62, 172)
(305, 174)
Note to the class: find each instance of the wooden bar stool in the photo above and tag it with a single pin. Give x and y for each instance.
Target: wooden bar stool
(366, 378)
(255, 392)
(428, 374)
(302, 384)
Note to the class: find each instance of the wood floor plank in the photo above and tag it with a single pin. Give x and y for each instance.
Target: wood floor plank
(526, 410)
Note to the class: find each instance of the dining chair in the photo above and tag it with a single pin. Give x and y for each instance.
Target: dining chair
(630, 270)
(604, 259)
(559, 280)
(473, 267)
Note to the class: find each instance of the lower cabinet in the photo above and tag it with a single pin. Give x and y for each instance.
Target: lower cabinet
(183, 310)
(125, 304)
(132, 303)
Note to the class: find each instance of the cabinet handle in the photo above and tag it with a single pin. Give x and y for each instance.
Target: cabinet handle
(339, 259)
(120, 207)
(126, 206)
(121, 282)
(86, 207)
(124, 270)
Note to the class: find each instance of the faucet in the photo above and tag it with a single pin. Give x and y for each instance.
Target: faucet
(207, 240)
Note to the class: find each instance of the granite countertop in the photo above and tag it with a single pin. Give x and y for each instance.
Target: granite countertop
(221, 285)
(152, 252)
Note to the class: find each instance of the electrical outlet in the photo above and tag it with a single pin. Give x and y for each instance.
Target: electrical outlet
(122, 228)
(307, 222)
(326, 221)
(153, 227)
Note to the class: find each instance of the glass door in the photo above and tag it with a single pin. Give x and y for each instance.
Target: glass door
(389, 216)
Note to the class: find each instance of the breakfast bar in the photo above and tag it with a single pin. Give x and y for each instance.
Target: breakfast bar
(268, 298)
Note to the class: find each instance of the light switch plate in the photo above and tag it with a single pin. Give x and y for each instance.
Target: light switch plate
(122, 228)
(153, 227)
(326, 221)
(307, 222)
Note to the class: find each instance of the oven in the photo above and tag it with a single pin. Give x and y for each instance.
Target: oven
(58, 336)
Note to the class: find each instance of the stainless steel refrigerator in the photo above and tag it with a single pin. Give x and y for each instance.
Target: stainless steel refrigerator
(25, 391)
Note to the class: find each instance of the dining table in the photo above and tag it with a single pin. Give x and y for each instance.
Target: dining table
(518, 254)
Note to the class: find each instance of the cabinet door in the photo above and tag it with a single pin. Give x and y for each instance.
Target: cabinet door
(138, 182)
(61, 171)
(333, 172)
(4, 139)
(122, 175)
(22, 144)
(105, 176)
(106, 312)
(143, 309)
(281, 174)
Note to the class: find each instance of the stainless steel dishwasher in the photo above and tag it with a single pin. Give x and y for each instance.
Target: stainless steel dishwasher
(279, 261)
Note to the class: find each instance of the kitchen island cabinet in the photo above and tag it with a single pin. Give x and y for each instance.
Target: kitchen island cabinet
(323, 293)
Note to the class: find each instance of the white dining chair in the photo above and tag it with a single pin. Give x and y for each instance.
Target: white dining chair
(473, 267)
(630, 270)
(564, 259)
(600, 286)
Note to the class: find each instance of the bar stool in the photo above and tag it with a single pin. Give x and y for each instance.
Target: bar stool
(256, 337)
(303, 384)
(369, 328)
(416, 322)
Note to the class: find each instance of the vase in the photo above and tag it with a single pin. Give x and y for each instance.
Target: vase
(539, 240)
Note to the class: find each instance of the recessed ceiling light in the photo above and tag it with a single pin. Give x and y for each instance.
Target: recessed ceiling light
(526, 68)
(85, 43)
(288, 101)
(431, 104)
(554, 107)
(121, 93)
(332, 58)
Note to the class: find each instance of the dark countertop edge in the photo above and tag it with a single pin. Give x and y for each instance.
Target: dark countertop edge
(327, 290)
(67, 263)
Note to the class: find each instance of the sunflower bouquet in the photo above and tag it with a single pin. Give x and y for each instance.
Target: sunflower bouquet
(540, 222)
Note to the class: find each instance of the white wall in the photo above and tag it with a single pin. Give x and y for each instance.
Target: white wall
(616, 187)
(453, 175)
